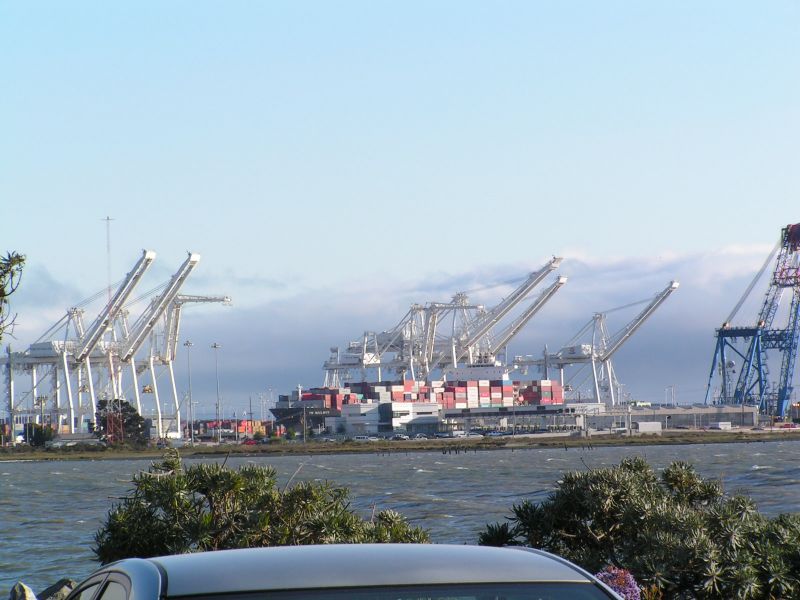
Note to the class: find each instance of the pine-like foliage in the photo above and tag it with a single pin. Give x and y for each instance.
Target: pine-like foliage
(10, 272)
(172, 510)
(678, 532)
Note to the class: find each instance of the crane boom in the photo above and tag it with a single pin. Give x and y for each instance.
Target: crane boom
(110, 312)
(493, 316)
(173, 319)
(627, 331)
(528, 314)
(147, 320)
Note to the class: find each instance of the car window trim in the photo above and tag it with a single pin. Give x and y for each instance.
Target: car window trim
(96, 582)
(116, 577)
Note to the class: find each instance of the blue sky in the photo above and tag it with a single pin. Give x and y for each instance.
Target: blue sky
(334, 162)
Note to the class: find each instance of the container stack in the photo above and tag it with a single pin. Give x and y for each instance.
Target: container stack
(453, 395)
(360, 392)
(480, 393)
(541, 393)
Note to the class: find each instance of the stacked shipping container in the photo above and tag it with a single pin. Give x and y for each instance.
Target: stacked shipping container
(474, 393)
(543, 392)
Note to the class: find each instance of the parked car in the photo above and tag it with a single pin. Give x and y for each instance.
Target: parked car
(400, 437)
(420, 436)
(385, 572)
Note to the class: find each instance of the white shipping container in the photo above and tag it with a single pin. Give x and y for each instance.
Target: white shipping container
(648, 426)
(722, 425)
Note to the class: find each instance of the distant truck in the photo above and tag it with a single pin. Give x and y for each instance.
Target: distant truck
(720, 425)
(647, 427)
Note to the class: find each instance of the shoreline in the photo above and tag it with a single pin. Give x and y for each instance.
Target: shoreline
(518, 442)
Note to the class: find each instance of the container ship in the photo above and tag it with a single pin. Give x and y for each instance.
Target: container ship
(462, 390)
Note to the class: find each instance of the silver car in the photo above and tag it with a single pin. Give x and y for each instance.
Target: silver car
(346, 572)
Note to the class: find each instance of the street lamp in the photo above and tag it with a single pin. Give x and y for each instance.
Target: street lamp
(216, 348)
(188, 346)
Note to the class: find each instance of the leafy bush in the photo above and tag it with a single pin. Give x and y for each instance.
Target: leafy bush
(172, 510)
(677, 533)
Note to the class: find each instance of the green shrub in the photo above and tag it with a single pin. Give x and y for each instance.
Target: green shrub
(172, 510)
(678, 532)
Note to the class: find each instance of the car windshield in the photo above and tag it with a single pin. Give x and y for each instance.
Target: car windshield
(482, 591)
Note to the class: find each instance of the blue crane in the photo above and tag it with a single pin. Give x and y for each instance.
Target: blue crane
(750, 344)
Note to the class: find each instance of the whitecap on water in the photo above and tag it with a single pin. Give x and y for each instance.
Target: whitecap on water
(423, 471)
(760, 467)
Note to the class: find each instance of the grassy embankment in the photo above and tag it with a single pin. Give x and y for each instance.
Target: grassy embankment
(438, 445)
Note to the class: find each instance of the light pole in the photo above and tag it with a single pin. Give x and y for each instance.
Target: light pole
(188, 346)
(216, 348)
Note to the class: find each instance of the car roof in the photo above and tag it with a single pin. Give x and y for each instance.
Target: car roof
(350, 565)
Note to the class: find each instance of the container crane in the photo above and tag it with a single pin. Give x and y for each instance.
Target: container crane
(599, 352)
(416, 346)
(68, 361)
(144, 326)
(750, 344)
(61, 359)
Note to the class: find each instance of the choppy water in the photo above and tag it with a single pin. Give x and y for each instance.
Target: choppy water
(49, 511)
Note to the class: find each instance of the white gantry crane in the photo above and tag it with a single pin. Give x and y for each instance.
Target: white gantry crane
(83, 364)
(598, 353)
(439, 335)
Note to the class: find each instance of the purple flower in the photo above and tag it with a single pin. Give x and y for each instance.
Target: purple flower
(621, 581)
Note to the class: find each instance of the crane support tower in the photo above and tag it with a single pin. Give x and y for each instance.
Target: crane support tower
(751, 344)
